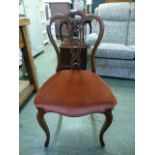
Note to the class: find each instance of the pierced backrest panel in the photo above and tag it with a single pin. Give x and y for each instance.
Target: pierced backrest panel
(75, 22)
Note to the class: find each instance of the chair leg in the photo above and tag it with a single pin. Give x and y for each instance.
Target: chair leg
(107, 123)
(42, 123)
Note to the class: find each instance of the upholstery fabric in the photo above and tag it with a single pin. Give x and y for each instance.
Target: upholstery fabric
(132, 47)
(96, 11)
(91, 39)
(115, 51)
(115, 56)
(132, 13)
(127, 73)
(119, 68)
(114, 11)
(95, 27)
(115, 31)
(75, 93)
(115, 68)
(114, 63)
(131, 33)
(131, 26)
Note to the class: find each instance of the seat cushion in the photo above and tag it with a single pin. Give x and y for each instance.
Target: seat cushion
(115, 51)
(131, 47)
(75, 93)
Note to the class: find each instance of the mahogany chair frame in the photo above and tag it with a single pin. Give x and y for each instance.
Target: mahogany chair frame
(107, 113)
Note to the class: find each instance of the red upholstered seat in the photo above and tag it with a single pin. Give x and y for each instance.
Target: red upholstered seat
(75, 93)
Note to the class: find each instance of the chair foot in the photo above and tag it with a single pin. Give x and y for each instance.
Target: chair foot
(107, 123)
(43, 125)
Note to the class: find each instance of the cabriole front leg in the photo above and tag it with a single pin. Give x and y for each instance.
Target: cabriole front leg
(107, 123)
(42, 123)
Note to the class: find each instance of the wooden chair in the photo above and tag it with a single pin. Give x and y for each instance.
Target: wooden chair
(74, 91)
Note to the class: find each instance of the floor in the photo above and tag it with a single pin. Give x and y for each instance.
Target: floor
(78, 136)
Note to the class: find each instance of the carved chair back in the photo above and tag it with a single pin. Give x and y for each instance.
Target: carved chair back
(75, 22)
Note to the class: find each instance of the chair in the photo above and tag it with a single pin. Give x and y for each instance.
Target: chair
(74, 91)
